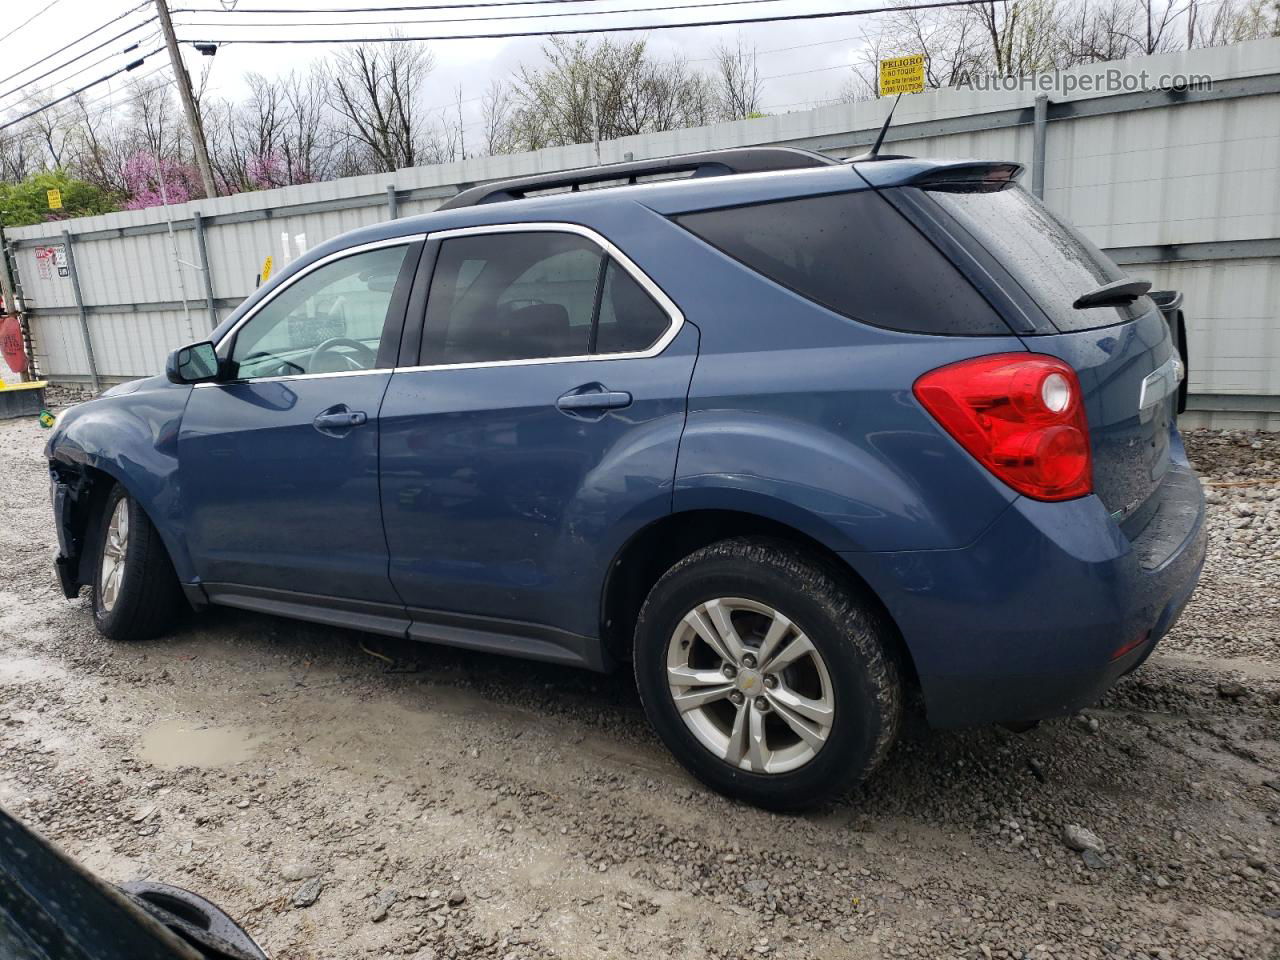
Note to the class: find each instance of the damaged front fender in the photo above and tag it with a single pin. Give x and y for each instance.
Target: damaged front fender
(128, 437)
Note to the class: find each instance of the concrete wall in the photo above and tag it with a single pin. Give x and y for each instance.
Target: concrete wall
(1181, 186)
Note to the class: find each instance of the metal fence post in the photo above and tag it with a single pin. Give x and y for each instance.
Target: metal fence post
(1037, 145)
(198, 222)
(393, 202)
(84, 317)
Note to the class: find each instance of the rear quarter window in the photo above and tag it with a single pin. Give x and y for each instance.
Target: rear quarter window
(1049, 258)
(854, 254)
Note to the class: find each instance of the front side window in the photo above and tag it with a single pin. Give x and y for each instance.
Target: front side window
(329, 321)
(512, 296)
(531, 296)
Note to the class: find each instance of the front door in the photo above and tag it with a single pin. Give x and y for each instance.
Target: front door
(545, 419)
(279, 467)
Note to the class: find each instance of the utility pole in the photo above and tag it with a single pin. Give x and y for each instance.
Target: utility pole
(188, 100)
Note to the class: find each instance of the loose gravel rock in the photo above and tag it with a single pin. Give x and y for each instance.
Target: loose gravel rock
(1080, 839)
(449, 805)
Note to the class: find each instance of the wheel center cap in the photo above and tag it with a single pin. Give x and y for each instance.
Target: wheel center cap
(749, 681)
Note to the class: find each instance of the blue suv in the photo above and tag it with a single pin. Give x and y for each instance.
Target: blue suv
(797, 439)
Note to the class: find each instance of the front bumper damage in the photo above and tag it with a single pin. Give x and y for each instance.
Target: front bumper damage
(69, 492)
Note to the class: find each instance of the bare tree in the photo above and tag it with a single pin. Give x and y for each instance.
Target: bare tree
(153, 117)
(1233, 21)
(309, 133)
(101, 147)
(53, 127)
(1092, 32)
(495, 118)
(19, 153)
(605, 89)
(376, 90)
(1020, 35)
(737, 81)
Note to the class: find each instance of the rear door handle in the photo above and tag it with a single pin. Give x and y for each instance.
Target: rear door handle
(339, 419)
(587, 399)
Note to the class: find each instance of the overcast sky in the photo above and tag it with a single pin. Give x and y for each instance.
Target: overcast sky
(812, 71)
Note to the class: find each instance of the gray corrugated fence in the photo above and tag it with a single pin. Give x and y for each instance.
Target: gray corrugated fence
(1180, 184)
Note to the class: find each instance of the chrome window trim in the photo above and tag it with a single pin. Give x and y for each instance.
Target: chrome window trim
(665, 303)
(405, 240)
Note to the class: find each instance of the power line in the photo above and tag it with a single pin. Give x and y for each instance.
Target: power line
(630, 28)
(45, 9)
(85, 69)
(800, 73)
(798, 46)
(504, 16)
(132, 95)
(79, 90)
(79, 56)
(68, 46)
(409, 8)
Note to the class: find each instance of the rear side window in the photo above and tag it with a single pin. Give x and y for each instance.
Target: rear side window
(1048, 257)
(535, 295)
(629, 319)
(855, 254)
(512, 296)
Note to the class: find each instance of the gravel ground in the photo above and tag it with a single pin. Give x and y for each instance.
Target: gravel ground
(346, 796)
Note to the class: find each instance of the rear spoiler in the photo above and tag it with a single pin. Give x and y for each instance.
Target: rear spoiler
(1170, 304)
(958, 175)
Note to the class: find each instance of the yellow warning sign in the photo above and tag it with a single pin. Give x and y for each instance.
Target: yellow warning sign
(55, 199)
(902, 75)
(266, 270)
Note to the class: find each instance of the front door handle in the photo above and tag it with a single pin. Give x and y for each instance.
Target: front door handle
(593, 397)
(337, 420)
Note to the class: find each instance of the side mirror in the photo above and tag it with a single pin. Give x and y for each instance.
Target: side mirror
(194, 363)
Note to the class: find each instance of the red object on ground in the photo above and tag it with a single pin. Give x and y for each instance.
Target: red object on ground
(15, 354)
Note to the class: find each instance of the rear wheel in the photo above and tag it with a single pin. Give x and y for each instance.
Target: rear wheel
(765, 675)
(135, 591)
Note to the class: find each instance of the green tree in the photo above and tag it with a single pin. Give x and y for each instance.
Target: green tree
(27, 201)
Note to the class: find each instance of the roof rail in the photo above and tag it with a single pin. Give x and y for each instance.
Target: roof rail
(712, 163)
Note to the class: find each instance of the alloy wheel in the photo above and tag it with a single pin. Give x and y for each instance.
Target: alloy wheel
(750, 685)
(114, 552)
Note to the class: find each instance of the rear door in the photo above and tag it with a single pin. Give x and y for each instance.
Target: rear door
(279, 467)
(543, 418)
(1124, 355)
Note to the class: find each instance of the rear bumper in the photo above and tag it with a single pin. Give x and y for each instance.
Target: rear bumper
(1026, 623)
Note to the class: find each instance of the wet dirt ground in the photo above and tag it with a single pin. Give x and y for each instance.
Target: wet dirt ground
(347, 796)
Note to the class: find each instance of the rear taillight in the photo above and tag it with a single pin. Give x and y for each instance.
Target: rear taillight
(1021, 416)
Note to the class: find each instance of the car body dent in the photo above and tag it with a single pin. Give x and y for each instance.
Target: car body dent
(133, 438)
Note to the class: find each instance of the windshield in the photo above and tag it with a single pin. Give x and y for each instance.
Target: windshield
(1052, 260)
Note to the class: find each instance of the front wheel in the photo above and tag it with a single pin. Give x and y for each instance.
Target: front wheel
(135, 591)
(766, 675)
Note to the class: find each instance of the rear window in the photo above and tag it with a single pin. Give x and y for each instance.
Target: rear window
(1052, 260)
(854, 254)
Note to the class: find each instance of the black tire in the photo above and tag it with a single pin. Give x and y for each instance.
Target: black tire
(147, 600)
(847, 632)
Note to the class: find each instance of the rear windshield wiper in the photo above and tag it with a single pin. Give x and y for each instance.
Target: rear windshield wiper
(1113, 294)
